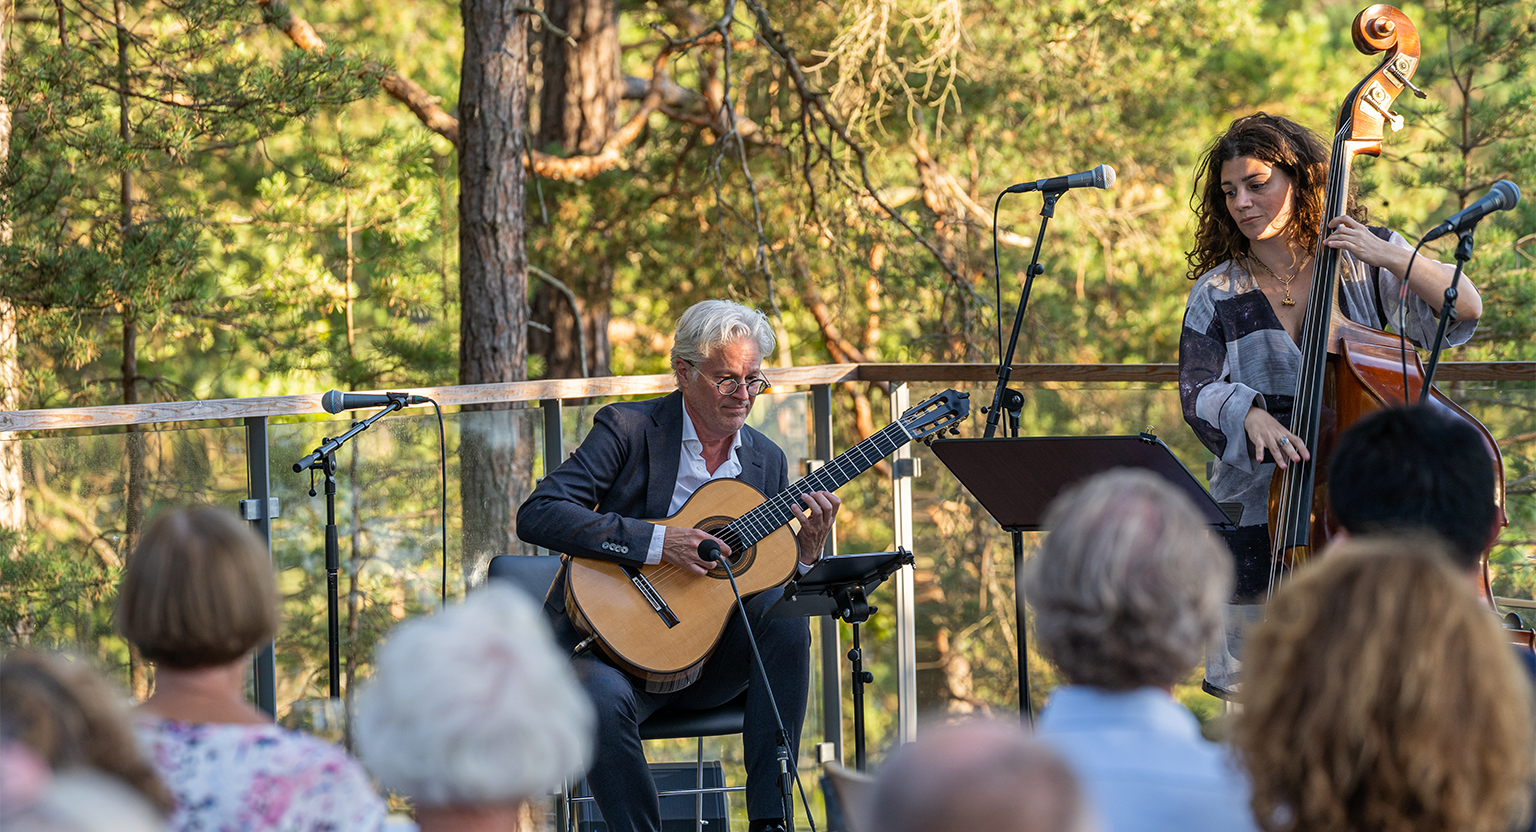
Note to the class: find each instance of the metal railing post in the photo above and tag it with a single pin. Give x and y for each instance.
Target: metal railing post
(906, 613)
(554, 441)
(554, 434)
(259, 508)
(831, 643)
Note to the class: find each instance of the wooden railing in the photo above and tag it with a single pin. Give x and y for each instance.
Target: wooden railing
(532, 391)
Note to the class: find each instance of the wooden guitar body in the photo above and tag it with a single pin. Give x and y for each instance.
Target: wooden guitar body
(601, 597)
(661, 622)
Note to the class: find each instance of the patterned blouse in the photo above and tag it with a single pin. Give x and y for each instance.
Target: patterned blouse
(1234, 354)
(250, 778)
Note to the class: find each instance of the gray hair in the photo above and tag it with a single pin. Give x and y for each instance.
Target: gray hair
(1129, 585)
(474, 705)
(976, 775)
(711, 324)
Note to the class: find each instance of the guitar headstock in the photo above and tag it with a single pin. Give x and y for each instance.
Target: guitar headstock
(928, 420)
(1368, 109)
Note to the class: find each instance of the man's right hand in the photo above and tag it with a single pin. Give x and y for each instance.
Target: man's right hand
(680, 547)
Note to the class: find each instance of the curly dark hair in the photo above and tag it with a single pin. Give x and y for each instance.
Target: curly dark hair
(1275, 141)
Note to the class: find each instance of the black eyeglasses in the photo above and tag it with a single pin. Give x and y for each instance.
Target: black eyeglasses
(729, 386)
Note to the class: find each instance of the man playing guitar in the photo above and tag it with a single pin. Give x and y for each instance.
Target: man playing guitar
(644, 459)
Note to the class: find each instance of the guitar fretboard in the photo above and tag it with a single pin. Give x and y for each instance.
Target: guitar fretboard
(774, 512)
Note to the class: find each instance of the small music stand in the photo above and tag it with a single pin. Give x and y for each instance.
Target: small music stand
(1015, 480)
(839, 586)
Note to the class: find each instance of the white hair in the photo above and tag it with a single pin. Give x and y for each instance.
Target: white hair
(474, 705)
(711, 324)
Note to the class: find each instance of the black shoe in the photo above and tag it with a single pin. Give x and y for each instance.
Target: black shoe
(767, 825)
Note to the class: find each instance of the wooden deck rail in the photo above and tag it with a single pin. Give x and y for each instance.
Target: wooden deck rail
(532, 391)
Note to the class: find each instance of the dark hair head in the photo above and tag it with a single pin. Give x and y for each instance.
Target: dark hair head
(198, 591)
(1415, 468)
(1275, 141)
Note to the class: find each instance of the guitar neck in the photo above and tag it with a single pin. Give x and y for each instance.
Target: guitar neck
(776, 511)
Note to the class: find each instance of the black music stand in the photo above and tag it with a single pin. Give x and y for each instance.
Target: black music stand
(1016, 479)
(839, 586)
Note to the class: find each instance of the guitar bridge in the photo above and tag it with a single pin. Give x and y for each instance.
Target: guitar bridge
(653, 598)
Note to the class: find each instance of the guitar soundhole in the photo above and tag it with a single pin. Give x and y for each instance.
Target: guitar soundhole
(740, 561)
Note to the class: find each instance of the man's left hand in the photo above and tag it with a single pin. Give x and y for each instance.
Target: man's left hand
(815, 523)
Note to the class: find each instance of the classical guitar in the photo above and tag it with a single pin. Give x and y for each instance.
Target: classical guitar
(660, 622)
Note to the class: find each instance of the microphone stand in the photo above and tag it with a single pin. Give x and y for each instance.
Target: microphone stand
(1004, 398)
(324, 460)
(789, 772)
(1447, 312)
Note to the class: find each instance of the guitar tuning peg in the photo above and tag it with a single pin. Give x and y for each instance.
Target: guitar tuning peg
(954, 431)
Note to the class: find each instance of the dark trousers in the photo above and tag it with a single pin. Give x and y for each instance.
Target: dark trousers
(619, 778)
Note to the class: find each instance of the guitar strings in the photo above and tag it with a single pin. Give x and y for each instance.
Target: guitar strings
(773, 513)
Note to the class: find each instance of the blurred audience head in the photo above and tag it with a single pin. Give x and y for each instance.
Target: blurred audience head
(474, 706)
(1407, 468)
(1129, 584)
(199, 590)
(67, 751)
(1380, 694)
(72, 718)
(977, 775)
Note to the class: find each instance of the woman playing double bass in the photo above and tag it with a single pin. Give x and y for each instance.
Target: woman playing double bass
(1259, 205)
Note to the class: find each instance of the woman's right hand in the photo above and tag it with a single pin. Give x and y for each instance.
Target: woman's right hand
(1270, 437)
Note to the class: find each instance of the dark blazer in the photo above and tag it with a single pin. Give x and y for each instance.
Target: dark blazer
(626, 469)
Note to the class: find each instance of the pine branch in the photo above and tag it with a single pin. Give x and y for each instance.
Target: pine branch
(430, 112)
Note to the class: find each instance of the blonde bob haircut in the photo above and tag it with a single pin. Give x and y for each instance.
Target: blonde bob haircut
(1380, 694)
(198, 591)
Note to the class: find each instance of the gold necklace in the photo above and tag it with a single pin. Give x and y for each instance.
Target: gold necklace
(1286, 282)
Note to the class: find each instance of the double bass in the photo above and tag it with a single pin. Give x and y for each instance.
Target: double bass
(1348, 369)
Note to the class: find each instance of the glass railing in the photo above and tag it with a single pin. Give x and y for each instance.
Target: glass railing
(88, 491)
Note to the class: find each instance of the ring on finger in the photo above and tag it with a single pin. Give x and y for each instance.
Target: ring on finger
(1285, 440)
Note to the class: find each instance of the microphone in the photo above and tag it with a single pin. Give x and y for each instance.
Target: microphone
(1503, 196)
(337, 401)
(709, 551)
(1100, 177)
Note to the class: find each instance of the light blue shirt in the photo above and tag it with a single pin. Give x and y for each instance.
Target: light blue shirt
(1142, 763)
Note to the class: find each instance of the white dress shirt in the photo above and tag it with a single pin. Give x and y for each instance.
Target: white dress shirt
(691, 474)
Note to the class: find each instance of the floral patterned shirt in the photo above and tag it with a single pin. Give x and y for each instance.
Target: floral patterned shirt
(253, 778)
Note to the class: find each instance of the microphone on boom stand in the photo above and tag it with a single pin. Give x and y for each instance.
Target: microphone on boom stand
(1012, 401)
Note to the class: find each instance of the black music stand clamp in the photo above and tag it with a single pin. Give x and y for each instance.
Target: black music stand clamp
(323, 459)
(839, 586)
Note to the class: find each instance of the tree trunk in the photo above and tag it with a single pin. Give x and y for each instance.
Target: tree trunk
(579, 104)
(578, 112)
(552, 308)
(495, 454)
(138, 476)
(13, 506)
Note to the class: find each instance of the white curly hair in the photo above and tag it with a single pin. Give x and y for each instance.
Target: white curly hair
(474, 705)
